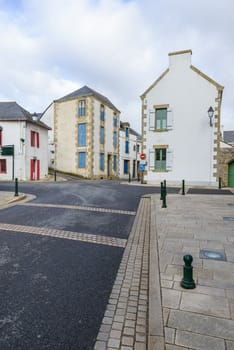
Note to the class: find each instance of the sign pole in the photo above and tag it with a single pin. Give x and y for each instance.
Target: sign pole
(13, 163)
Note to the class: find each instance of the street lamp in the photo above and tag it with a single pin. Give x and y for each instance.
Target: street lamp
(210, 115)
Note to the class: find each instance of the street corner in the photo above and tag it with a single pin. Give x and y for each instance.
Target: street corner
(10, 198)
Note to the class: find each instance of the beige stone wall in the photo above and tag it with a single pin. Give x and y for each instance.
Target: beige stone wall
(65, 135)
(224, 157)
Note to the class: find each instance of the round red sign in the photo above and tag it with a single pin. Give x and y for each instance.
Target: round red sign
(142, 156)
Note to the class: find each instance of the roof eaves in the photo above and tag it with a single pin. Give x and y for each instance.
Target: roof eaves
(203, 75)
(155, 83)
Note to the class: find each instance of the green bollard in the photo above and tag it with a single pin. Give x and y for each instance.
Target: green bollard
(164, 202)
(161, 191)
(165, 186)
(220, 182)
(16, 188)
(183, 187)
(187, 281)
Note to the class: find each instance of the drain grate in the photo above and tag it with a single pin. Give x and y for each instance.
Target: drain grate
(212, 254)
(228, 218)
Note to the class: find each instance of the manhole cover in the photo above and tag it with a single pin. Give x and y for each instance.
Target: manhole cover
(228, 218)
(231, 204)
(212, 254)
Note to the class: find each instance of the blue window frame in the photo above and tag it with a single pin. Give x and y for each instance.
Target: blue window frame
(81, 108)
(127, 132)
(82, 135)
(115, 163)
(126, 147)
(115, 122)
(126, 166)
(102, 134)
(82, 159)
(102, 113)
(115, 139)
(102, 163)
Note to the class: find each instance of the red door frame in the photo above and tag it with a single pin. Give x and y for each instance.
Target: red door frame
(34, 169)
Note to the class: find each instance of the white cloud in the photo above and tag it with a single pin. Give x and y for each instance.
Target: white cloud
(52, 47)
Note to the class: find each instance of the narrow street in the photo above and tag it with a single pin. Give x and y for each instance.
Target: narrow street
(59, 256)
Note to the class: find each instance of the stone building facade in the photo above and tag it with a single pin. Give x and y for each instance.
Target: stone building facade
(225, 164)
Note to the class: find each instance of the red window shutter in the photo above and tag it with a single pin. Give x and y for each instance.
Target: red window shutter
(38, 140)
(38, 169)
(32, 138)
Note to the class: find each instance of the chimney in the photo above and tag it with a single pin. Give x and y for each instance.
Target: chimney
(180, 58)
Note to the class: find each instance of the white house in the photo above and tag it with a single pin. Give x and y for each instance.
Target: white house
(179, 138)
(23, 144)
(84, 136)
(129, 151)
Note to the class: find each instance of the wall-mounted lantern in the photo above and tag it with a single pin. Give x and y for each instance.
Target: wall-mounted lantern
(210, 115)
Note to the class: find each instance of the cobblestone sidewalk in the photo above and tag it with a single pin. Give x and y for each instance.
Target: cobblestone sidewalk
(200, 318)
(125, 322)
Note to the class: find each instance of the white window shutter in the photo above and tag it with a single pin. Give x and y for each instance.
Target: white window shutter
(169, 163)
(151, 120)
(169, 119)
(151, 161)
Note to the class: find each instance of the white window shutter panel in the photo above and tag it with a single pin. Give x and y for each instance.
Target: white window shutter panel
(151, 159)
(169, 120)
(151, 120)
(169, 164)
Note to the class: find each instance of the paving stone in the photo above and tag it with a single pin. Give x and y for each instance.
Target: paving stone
(103, 336)
(129, 331)
(206, 325)
(170, 298)
(229, 345)
(115, 334)
(205, 304)
(127, 341)
(198, 341)
(166, 284)
(139, 346)
(175, 347)
(114, 343)
(100, 345)
(169, 335)
(202, 290)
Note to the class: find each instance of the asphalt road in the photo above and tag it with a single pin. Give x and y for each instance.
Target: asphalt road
(53, 291)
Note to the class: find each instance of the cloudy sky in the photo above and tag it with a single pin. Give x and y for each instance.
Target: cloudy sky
(49, 48)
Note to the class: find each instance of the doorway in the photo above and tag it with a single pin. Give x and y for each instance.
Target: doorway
(34, 169)
(231, 174)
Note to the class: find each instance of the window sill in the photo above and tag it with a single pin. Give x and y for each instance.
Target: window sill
(163, 130)
(159, 171)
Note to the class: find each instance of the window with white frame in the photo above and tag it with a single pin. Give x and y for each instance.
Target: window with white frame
(160, 119)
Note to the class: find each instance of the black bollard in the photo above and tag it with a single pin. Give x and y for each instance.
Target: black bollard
(187, 281)
(129, 177)
(55, 175)
(16, 188)
(183, 187)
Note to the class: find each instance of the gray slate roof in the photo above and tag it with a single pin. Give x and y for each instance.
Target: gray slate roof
(228, 136)
(86, 91)
(11, 111)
